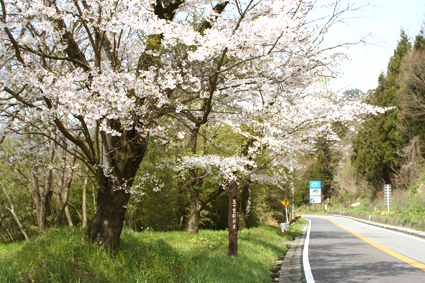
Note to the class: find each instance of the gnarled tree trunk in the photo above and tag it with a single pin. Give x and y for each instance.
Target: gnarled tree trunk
(113, 197)
(108, 221)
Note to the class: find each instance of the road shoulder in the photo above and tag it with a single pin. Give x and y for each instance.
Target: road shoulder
(292, 269)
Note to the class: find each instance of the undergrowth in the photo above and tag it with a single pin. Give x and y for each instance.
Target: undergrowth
(60, 255)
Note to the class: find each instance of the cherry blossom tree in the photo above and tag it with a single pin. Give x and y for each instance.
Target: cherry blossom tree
(269, 76)
(100, 74)
(269, 140)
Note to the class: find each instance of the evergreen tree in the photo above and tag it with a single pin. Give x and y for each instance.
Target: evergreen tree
(378, 139)
(320, 167)
(419, 44)
(412, 91)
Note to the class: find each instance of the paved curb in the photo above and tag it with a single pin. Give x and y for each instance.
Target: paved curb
(292, 269)
(404, 230)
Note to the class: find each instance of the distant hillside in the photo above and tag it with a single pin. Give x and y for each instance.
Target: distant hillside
(352, 94)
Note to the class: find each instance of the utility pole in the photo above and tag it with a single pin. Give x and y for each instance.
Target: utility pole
(292, 200)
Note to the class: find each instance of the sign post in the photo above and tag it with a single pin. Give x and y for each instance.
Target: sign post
(233, 227)
(285, 202)
(387, 196)
(315, 192)
(293, 200)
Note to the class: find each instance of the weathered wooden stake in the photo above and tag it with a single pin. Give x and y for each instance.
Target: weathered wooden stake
(233, 227)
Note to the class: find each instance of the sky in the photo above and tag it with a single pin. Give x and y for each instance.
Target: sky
(380, 22)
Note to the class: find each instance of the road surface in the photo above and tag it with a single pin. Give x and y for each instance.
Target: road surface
(344, 250)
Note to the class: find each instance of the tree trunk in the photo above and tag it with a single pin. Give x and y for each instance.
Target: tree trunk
(84, 204)
(194, 186)
(244, 189)
(193, 225)
(42, 196)
(12, 211)
(198, 205)
(244, 197)
(108, 221)
(68, 217)
(182, 204)
(8, 232)
(37, 200)
(63, 191)
(130, 220)
(46, 193)
(112, 196)
(40, 200)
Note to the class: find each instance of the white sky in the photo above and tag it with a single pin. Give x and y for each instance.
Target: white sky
(383, 20)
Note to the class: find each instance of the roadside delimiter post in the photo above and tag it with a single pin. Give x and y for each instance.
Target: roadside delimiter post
(233, 227)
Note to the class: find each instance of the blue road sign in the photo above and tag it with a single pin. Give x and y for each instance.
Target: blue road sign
(315, 184)
(315, 199)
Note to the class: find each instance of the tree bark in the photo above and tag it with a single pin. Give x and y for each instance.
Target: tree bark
(108, 221)
(68, 217)
(244, 189)
(46, 193)
(244, 197)
(195, 185)
(113, 197)
(197, 206)
(42, 194)
(37, 201)
(63, 190)
(193, 225)
(182, 205)
(41, 199)
(195, 211)
(8, 232)
(84, 203)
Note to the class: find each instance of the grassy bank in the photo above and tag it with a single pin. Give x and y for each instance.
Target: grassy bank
(60, 255)
(409, 213)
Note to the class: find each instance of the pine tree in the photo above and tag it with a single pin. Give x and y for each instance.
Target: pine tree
(412, 91)
(419, 44)
(376, 144)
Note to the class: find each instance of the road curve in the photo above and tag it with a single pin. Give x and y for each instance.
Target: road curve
(344, 250)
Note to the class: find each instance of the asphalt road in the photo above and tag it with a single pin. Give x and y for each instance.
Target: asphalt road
(363, 254)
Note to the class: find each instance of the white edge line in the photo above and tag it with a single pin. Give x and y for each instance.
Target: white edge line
(307, 270)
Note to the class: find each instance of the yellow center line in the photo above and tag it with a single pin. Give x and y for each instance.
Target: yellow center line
(382, 248)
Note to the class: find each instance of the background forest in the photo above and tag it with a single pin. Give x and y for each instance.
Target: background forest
(381, 149)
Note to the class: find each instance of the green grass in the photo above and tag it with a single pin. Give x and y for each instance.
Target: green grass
(60, 255)
(412, 217)
(311, 209)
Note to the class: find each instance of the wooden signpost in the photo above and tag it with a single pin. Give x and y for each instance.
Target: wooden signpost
(233, 227)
